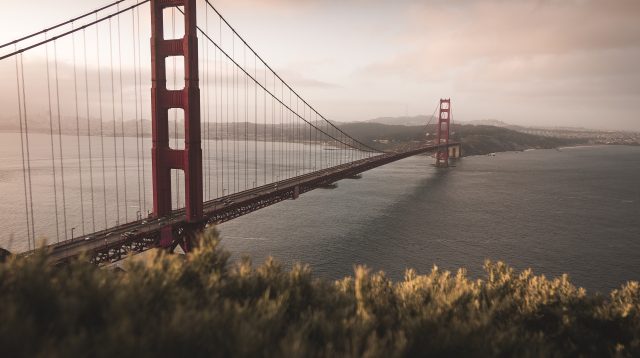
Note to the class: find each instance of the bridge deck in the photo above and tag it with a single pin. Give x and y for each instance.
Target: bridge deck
(117, 242)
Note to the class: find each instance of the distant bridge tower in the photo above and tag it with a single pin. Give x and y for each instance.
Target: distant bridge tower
(165, 158)
(444, 124)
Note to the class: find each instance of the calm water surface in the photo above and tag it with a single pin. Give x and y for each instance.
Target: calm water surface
(576, 211)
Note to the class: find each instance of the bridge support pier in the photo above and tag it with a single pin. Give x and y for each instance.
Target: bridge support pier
(455, 152)
(188, 236)
(185, 236)
(166, 237)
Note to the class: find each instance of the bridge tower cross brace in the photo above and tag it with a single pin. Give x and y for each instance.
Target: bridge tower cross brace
(444, 124)
(165, 158)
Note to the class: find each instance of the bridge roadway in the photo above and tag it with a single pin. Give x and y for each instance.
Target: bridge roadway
(115, 243)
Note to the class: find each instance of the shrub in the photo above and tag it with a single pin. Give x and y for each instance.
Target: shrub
(202, 305)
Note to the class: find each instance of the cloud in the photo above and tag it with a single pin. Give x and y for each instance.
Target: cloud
(581, 52)
(357, 57)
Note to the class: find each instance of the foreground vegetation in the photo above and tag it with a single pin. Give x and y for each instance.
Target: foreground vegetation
(202, 305)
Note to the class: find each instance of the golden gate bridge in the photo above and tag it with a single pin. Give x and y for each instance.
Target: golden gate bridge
(227, 135)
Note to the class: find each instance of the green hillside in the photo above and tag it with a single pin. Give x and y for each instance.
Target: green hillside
(476, 140)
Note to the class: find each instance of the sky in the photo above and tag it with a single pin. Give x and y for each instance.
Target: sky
(537, 62)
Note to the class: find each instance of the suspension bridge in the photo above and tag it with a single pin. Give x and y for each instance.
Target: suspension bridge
(104, 166)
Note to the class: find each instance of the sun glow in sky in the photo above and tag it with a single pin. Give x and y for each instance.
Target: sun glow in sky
(542, 62)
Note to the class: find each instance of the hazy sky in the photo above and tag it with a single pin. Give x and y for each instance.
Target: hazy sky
(546, 62)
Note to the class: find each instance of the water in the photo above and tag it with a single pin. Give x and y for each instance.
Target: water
(574, 211)
(229, 166)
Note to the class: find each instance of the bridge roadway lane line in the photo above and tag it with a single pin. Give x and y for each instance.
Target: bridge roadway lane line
(117, 236)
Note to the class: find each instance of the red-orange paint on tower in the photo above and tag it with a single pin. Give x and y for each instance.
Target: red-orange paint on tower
(165, 158)
(444, 124)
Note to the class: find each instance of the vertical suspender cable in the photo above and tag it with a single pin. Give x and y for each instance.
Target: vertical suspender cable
(310, 142)
(290, 137)
(264, 142)
(246, 122)
(316, 146)
(113, 118)
(226, 69)
(208, 105)
(75, 89)
(24, 171)
(203, 101)
(218, 108)
(124, 154)
(297, 140)
(281, 147)
(255, 117)
(285, 135)
(224, 76)
(137, 116)
(26, 132)
(236, 164)
(293, 141)
(303, 129)
(216, 117)
(53, 165)
(64, 202)
(137, 42)
(89, 134)
(104, 179)
(237, 126)
(273, 128)
(233, 115)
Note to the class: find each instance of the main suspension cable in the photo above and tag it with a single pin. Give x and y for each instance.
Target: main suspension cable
(71, 21)
(232, 59)
(47, 40)
(278, 76)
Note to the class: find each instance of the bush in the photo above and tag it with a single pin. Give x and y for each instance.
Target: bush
(202, 305)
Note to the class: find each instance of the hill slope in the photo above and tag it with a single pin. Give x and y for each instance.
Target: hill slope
(476, 139)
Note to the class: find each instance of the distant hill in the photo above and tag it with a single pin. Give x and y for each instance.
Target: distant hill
(403, 121)
(476, 139)
(424, 119)
(487, 122)
(483, 139)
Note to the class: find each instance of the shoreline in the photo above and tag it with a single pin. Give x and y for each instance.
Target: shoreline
(578, 146)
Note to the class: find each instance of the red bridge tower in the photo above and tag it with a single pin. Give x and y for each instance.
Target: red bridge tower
(165, 158)
(444, 123)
